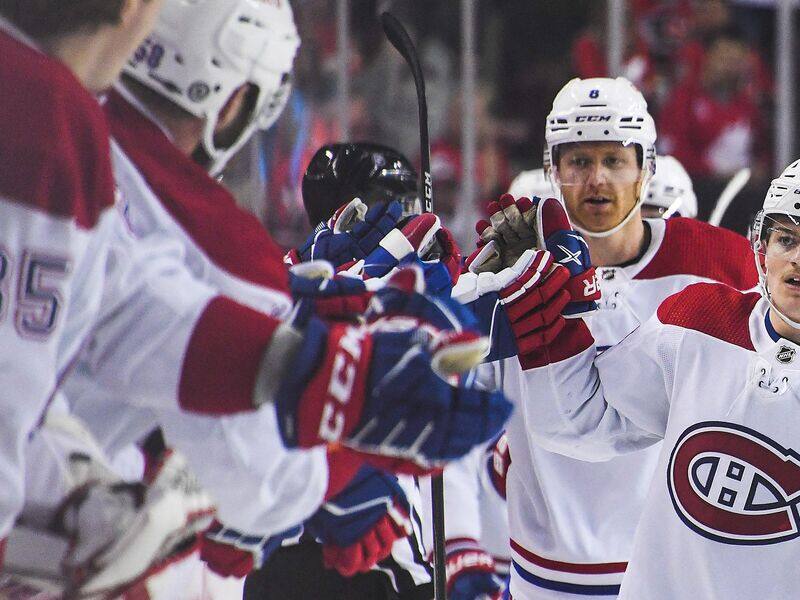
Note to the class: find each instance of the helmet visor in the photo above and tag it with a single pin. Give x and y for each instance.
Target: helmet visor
(780, 238)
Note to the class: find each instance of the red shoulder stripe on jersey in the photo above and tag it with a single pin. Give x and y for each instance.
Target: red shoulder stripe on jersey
(692, 247)
(55, 145)
(714, 309)
(230, 237)
(565, 567)
(223, 358)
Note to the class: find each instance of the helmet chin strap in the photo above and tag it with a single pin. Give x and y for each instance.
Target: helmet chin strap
(762, 285)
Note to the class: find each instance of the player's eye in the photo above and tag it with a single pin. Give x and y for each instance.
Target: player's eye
(579, 162)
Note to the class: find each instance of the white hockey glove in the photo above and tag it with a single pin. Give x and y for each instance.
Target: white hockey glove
(108, 535)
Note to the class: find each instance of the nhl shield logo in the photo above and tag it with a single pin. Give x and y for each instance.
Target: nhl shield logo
(785, 355)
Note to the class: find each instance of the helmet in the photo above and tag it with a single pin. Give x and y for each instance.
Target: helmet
(601, 110)
(532, 183)
(670, 189)
(783, 198)
(201, 51)
(338, 173)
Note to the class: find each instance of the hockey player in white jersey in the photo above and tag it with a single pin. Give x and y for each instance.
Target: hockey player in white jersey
(223, 249)
(712, 379)
(572, 523)
(670, 192)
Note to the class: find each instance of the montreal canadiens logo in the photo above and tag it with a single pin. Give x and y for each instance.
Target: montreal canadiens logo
(734, 485)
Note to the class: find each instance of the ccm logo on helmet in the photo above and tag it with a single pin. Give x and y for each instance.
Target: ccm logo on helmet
(733, 485)
(592, 118)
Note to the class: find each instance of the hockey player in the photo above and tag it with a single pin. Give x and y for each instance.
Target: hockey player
(572, 523)
(179, 201)
(377, 175)
(713, 375)
(188, 359)
(56, 210)
(670, 192)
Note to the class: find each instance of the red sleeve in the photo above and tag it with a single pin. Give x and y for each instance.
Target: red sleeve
(223, 358)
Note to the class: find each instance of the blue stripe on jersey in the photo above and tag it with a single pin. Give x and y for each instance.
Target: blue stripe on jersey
(770, 329)
(562, 586)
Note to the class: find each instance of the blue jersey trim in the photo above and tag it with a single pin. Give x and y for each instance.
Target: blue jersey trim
(569, 588)
(771, 329)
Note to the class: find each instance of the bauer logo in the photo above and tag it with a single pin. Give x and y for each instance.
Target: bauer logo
(592, 118)
(733, 485)
(785, 355)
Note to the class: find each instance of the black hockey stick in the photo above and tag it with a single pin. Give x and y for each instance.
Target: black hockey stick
(399, 38)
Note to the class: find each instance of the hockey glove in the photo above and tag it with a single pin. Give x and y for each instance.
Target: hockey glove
(332, 296)
(230, 553)
(547, 221)
(374, 388)
(471, 572)
(421, 241)
(360, 524)
(108, 535)
(350, 234)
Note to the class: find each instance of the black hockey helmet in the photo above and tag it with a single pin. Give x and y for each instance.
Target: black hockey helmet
(338, 173)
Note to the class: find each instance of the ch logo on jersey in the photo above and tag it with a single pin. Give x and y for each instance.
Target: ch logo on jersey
(734, 485)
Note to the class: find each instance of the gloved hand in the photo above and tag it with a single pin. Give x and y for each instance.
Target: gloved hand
(471, 572)
(422, 241)
(498, 462)
(350, 234)
(376, 389)
(531, 294)
(359, 525)
(230, 553)
(334, 296)
(544, 224)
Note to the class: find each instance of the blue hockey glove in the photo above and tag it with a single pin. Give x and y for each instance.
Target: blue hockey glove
(350, 234)
(360, 524)
(381, 389)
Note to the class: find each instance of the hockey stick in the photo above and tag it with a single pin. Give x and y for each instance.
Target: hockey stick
(735, 185)
(399, 38)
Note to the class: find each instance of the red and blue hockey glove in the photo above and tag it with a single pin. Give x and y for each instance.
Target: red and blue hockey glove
(548, 227)
(359, 525)
(471, 572)
(424, 242)
(350, 234)
(334, 296)
(230, 553)
(385, 389)
(520, 306)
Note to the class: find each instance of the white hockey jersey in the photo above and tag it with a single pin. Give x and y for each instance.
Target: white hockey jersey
(572, 523)
(260, 486)
(710, 377)
(56, 208)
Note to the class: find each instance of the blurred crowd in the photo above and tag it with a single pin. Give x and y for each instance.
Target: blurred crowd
(705, 67)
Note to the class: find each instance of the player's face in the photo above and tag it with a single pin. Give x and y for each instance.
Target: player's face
(782, 262)
(599, 182)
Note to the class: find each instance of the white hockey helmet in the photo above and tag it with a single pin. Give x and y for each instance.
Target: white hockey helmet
(532, 183)
(670, 190)
(601, 110)
(783, 198)
(201, 51)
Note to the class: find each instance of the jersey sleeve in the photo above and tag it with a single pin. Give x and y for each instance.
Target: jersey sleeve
(594, 407)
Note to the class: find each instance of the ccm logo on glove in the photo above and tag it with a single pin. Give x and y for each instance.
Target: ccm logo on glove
(341, 384)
